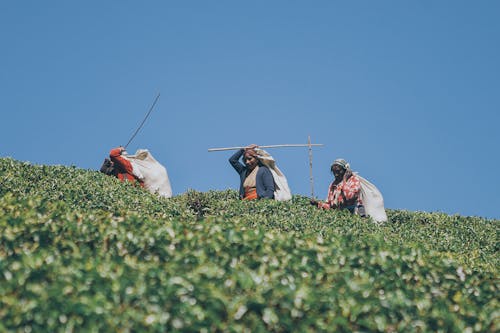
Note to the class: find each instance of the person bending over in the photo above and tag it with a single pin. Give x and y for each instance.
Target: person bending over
(119, 166)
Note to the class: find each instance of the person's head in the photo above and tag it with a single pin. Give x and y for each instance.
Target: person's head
(108, 167)
(339, 167)
(250, 158)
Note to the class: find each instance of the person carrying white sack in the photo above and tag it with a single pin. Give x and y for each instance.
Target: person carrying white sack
(141, 169)
(119, 166)
(260, 178)
(352, 192)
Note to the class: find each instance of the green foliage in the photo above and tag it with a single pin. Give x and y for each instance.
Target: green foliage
(80, 251)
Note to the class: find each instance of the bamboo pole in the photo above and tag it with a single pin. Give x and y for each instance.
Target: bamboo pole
(269, 146)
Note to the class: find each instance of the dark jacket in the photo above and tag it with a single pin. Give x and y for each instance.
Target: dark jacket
(264, 179)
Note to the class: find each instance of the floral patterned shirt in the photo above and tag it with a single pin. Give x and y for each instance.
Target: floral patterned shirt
(346, 193)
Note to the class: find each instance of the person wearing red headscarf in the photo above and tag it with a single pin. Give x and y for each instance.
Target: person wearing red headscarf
(122, 167)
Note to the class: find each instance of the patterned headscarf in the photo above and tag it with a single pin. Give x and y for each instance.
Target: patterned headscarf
(342, 163)
(251, 152)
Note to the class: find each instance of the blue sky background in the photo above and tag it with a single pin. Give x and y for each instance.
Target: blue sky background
(407, 91)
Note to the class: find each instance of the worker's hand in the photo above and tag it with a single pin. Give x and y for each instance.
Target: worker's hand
(252, 146)
(123, 151)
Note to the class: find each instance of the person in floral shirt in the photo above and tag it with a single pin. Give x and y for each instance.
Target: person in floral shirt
(344, 191)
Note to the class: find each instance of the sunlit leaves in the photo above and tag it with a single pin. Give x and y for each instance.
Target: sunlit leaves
(80, 251)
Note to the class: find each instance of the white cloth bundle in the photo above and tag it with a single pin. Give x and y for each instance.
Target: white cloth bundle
(282, 191)
(372, 201)
(151, 172)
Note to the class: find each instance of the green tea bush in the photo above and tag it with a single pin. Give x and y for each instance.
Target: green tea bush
(80, 251)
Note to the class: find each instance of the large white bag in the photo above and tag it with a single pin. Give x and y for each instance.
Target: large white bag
(282, 191)
(151, 172)
(372, 200)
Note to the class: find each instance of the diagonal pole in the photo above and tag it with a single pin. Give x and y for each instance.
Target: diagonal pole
(145, 118)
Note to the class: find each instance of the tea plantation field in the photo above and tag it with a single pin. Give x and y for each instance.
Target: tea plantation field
(82, 252)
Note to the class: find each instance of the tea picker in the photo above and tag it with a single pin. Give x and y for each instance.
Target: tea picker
(108, 167)
(142, 166)
(282, 192)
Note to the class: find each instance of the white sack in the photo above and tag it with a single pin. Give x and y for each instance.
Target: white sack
(151, 172)
(372, 200)
(282, 191)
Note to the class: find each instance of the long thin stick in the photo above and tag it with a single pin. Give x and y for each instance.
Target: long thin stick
(311, 166)
(140, 126)
(270, 146)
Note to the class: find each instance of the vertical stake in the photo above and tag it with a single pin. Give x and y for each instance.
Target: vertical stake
(310, 166)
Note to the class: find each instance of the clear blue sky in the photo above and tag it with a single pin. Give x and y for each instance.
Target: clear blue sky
(407, 91)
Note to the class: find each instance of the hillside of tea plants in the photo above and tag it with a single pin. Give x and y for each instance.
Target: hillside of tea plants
(82, 252)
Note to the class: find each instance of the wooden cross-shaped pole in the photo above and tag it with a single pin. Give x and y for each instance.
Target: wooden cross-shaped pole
(309, 145)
